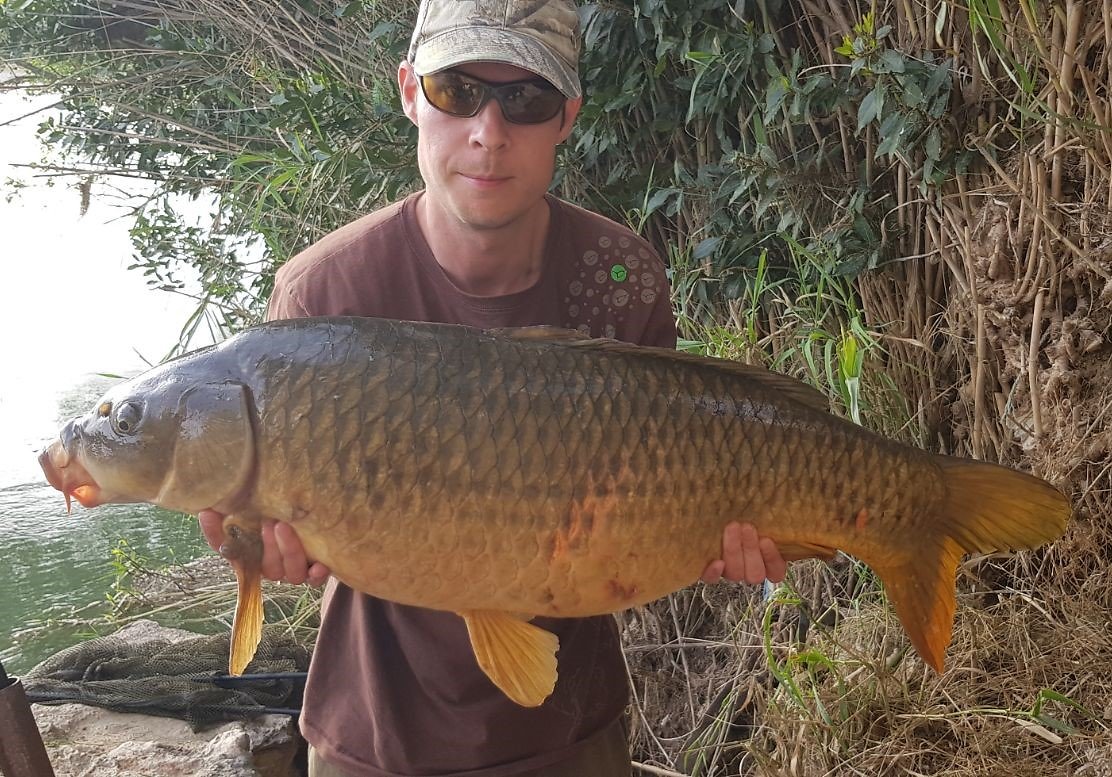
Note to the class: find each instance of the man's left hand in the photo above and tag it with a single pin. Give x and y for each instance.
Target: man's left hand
(746, 556)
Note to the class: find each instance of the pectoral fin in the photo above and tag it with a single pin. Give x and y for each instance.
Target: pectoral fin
(517, 656)
(244, 550)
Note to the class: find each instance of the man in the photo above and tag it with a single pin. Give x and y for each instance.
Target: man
(493, 88)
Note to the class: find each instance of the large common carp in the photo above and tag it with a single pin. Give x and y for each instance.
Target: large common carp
(508, 474)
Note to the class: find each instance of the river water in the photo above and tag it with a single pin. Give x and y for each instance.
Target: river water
(71, 310)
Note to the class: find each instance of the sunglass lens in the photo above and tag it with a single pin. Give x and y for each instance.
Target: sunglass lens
(452, 94)
(529, 103)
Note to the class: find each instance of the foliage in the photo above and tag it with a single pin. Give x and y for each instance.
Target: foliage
(722, 134)
(275, 131)
(714, 132)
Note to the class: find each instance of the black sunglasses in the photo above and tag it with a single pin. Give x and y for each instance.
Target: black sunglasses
(532, 101)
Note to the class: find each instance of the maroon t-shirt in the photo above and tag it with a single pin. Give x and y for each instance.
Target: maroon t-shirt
(396, 690)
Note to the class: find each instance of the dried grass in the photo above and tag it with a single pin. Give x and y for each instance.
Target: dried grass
(1026, 689)
(999, 330)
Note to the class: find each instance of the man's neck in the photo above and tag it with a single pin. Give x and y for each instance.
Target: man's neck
(487, 262)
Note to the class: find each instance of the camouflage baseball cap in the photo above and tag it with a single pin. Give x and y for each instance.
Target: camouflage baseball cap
(541, 37)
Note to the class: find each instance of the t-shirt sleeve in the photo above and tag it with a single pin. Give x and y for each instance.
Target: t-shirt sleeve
(283, 301)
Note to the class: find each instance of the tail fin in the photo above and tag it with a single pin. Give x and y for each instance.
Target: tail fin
(986, 508)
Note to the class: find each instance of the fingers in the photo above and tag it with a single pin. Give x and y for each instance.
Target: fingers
(272, 566)
(283, 554)
(284, 557)
(753, 568)
(735, 555)
(713, 573)
(746, 556)
(774, 565)
(294, 563)
(212, 527)
(318, 574)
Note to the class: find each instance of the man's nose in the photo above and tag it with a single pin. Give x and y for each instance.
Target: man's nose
(489, 127)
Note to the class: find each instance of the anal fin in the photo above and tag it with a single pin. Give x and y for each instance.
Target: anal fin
(921, 590)
(518, 657)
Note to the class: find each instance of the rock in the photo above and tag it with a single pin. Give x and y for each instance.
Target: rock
(86, 741)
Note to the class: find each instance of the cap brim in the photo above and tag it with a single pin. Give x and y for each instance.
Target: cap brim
(484, 44)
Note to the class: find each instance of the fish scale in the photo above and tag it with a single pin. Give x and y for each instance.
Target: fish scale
(516, 473)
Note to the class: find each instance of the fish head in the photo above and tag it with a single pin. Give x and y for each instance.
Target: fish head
(165, 438)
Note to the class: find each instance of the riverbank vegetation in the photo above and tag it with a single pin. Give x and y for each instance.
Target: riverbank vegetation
(906, 204)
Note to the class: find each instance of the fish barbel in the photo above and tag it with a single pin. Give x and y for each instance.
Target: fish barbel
(509, 474)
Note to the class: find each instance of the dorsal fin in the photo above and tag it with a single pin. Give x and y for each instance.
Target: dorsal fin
(773, 381)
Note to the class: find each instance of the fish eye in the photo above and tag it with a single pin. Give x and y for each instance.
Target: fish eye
(127, 417)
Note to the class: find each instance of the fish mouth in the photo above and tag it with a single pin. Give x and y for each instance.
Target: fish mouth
(66, 474)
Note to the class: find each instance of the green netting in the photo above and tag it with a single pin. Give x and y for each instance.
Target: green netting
(161, 677)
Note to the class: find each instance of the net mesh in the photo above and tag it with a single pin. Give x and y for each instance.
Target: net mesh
(171, 678)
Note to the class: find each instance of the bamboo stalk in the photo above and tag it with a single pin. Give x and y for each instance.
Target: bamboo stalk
(1038, 215)
(901, 201)
(978, 373)
(1075, 18)
(1033, 365)
(1072, 26)
(912, 24)
(1036, 180)
(1087, 200)
(1100, 115)
(1106, 17)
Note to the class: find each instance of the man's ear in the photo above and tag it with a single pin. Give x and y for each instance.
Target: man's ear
(408, 88)
(571, 110)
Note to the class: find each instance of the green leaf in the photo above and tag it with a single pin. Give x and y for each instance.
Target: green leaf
(1055, 724)
(705, 248)
(774, 98)
(893, 61)
(891, 133)
(659, 197)
(940, 75)
(381, 29)
(933, 147)
(928, 172)
(870, 107)
(912, 95)
(939, 105)
(701, 57)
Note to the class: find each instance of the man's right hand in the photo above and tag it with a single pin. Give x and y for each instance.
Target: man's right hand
(283, 554)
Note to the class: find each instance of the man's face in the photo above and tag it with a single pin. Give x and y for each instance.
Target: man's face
(483, 170)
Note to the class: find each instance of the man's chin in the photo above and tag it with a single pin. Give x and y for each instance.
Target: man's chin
(491, 216)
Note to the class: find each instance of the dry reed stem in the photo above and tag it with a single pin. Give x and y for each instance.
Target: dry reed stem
(1012, 275)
